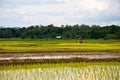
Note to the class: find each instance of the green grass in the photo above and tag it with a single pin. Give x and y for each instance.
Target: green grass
(55, 45)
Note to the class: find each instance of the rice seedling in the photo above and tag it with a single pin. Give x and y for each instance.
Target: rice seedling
(62, 71)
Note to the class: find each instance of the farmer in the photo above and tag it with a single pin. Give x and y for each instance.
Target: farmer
(81, 40)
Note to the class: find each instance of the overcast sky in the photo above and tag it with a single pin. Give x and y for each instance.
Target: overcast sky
(21, 13)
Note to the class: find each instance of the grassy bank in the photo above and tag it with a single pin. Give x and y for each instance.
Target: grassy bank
(55, 45)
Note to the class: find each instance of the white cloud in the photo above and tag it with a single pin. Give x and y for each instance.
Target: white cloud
(95, 5)
(61, 12)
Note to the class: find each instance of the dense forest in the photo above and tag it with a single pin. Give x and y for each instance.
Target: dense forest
(65, 31)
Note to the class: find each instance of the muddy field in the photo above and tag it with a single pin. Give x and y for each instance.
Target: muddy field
(57, 54)
(15, 58)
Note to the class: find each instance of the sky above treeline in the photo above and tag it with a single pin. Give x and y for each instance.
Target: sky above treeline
(23, 13)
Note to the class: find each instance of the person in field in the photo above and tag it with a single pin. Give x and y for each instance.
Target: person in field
(81, 40)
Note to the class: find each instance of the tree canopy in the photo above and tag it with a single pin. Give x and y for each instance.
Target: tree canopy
(65, 31)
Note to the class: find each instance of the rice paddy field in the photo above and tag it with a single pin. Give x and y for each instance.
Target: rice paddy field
(62, 71)
(55, 45)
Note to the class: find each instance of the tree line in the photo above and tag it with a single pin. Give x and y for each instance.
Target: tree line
(65, 31)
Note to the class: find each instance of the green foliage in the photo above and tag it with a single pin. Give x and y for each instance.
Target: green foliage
(66, 31)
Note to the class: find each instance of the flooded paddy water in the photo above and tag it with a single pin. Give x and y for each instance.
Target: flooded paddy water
(60, 57)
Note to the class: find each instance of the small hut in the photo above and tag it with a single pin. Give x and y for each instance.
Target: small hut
(58, 37)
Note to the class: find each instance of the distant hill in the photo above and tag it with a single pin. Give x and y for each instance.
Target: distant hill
(9, 27)
(1, 26)
(16, 27)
